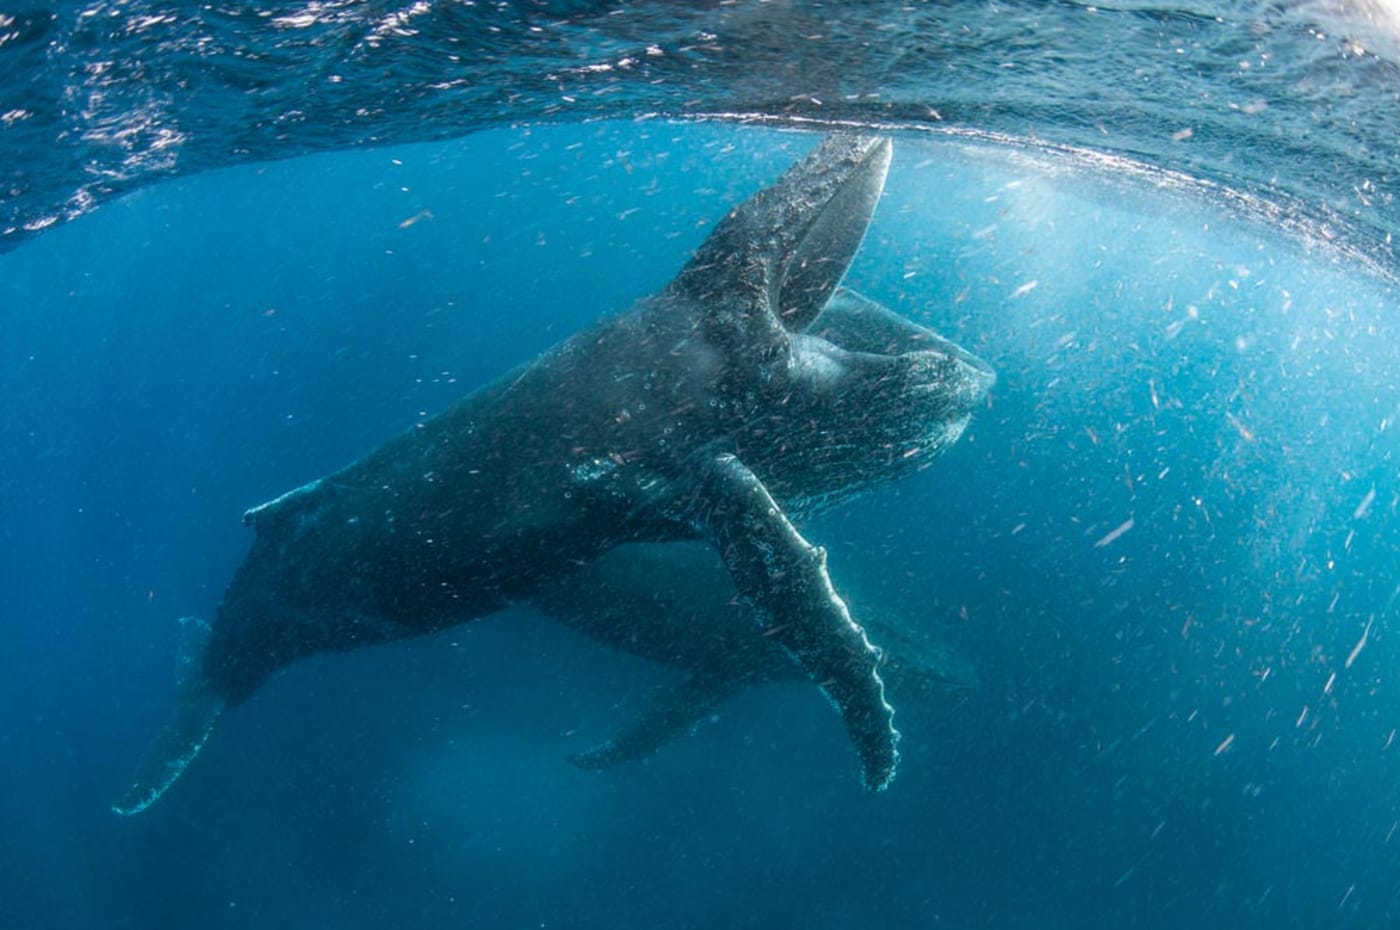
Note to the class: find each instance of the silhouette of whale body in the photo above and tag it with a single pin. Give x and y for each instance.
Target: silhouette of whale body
(707, 411)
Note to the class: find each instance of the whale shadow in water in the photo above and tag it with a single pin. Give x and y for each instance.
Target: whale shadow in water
(709, 411)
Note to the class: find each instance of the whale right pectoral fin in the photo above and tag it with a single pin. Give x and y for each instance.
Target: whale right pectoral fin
(771, 265)
(784, 577)
(196, 711)
(674, 714)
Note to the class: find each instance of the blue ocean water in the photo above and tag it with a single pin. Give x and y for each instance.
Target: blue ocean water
(1168, 546)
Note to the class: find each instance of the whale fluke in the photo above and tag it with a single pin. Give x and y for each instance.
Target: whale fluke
(196, 711)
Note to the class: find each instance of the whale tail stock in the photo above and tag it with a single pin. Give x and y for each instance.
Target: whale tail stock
(197, 709)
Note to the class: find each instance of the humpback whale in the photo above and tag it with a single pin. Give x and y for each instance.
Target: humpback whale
(673, 604)
(707, 411)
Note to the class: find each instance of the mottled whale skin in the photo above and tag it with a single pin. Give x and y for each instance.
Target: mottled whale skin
(701, 413)
(673, 604)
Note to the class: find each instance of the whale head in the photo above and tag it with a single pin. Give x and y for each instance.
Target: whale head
(868, 396)
(831, 392)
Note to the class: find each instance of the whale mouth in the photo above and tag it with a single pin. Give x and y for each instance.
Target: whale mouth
(975, 370)
(859, 325)
(877, 396)
(964, 380)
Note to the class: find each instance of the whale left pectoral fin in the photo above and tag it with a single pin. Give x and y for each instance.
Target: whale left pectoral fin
(785, 579)
(674, 714)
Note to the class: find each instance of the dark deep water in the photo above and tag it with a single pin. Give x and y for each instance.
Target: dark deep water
(1189, 722)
